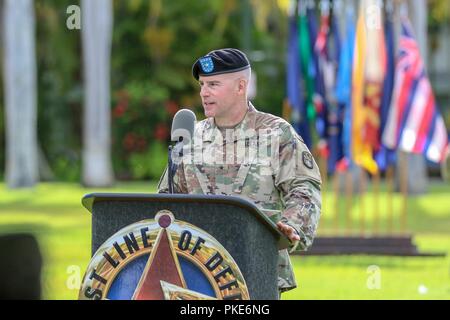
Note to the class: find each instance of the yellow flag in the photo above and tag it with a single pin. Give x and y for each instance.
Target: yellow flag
(361, 151)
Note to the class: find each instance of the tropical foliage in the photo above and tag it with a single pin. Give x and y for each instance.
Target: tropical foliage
(154, 45)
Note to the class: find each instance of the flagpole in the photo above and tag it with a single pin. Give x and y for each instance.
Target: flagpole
(362, 214)
(404, 191)
(336, 201)
(323, 173)
(348, 199)
(390, 195)
(286, 110)
(376, 194)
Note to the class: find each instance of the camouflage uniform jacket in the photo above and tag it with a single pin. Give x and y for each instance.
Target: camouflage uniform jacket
(286, 188)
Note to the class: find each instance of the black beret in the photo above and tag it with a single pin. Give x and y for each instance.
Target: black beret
(220, 61)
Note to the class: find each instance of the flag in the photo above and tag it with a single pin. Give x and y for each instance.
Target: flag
(361, 151)
(323, 74)
(414, 123)
(375, 70)
(312, 33)
(343, 89)
(335, 119)
(385, 156)
(314, 68)
(307, 65)
(294, 91)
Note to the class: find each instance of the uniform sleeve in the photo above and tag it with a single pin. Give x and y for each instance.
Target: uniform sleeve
(298, 180)
(179, 182)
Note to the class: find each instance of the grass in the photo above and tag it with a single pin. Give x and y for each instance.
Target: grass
(351, 277)
(53, 212)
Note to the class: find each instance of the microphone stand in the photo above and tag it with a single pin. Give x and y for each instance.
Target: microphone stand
(172, 167)
(170, 170)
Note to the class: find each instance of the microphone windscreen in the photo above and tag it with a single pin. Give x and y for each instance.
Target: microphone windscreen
(183, 125)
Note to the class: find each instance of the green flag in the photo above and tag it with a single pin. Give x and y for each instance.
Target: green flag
(307, 64)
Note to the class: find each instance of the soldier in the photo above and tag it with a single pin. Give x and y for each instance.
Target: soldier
(243, 152)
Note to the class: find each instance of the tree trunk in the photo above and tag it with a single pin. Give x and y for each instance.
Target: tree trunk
(20, 93)
(96, 38)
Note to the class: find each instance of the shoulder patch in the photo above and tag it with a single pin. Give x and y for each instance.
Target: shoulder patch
(307, 159)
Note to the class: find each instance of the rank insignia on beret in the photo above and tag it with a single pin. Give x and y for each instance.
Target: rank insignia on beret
(207, 64)
(307, 159)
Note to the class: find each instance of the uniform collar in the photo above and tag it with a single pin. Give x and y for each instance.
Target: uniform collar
(210, 129)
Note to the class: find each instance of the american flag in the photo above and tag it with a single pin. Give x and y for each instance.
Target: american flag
(414, 123)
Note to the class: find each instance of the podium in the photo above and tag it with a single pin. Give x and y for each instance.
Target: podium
(238, 244)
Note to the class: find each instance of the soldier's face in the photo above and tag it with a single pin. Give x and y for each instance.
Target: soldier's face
(219, 94)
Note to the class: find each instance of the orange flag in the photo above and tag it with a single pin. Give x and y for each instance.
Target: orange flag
(367, 79)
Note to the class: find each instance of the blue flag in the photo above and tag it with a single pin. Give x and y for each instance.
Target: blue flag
(343, 90)
(319, 98)
(294, 90)
(335, 118)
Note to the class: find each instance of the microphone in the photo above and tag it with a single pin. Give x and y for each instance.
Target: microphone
(183, 126)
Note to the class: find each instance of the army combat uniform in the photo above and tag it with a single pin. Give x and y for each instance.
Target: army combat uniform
(287, 188)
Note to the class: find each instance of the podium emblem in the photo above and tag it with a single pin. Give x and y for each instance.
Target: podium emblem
(163, 259)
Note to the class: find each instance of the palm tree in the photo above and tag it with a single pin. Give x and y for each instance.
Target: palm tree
(96, 30)
(19, 60)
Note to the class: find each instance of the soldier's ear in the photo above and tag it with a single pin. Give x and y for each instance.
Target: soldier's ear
(242, 86)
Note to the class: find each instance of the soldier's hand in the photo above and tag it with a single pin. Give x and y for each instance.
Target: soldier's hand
(288, 231)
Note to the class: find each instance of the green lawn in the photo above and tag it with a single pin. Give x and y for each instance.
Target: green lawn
(53, 212)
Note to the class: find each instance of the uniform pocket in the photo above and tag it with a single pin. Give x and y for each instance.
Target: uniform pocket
(259, 184)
